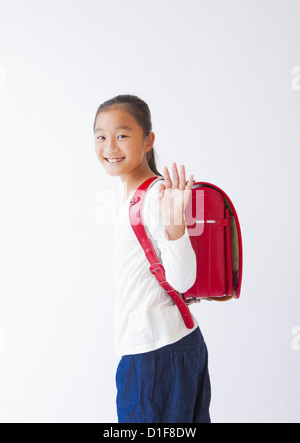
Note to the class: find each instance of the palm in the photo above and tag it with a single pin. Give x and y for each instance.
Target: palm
(173, 198)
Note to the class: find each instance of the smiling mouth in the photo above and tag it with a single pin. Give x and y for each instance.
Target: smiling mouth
(114, 160)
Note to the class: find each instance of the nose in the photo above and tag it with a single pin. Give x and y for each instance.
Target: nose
(111, 146)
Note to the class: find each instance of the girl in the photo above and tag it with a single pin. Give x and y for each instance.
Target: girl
(162, 376)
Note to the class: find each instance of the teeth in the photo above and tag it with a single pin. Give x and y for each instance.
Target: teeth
(114, 160)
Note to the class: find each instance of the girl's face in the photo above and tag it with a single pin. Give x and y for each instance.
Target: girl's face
(120, 144)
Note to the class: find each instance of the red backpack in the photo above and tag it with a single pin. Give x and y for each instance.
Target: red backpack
(215, 235)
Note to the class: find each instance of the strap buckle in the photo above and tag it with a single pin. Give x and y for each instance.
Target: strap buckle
(158, 267)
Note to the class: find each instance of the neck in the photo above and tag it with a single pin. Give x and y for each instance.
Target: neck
(132, 182)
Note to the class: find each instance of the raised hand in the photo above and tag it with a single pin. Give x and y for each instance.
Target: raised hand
(173, 198)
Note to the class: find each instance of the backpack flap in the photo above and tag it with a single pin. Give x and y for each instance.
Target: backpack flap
(217, 244)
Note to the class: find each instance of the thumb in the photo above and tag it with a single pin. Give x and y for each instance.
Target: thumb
(161, 189)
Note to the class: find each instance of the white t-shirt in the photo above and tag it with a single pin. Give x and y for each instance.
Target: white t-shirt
(146, 317)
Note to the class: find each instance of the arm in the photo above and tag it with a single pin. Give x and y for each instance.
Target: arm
(171, 241)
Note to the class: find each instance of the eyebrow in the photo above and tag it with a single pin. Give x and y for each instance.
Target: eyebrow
(118, 127)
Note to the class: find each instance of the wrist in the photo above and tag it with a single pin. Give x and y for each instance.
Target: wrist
(176, 231)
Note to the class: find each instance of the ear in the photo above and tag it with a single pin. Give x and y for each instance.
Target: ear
(149, 141)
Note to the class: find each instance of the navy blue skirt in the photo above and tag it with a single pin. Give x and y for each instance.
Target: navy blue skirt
(168, 385)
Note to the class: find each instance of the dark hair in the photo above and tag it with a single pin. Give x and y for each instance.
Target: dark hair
(141, 112)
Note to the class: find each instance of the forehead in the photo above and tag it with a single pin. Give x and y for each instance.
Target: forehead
(114, 118)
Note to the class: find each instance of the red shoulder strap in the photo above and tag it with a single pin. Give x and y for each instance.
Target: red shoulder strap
(156, 268)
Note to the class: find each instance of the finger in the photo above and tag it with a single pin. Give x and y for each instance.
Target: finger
(190, 183)
(182, 178)
(175, 176)
(168, 182)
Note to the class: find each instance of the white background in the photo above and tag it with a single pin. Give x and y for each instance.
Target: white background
(223, 87)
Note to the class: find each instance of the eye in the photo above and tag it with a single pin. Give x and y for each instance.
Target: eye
(122, 135)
